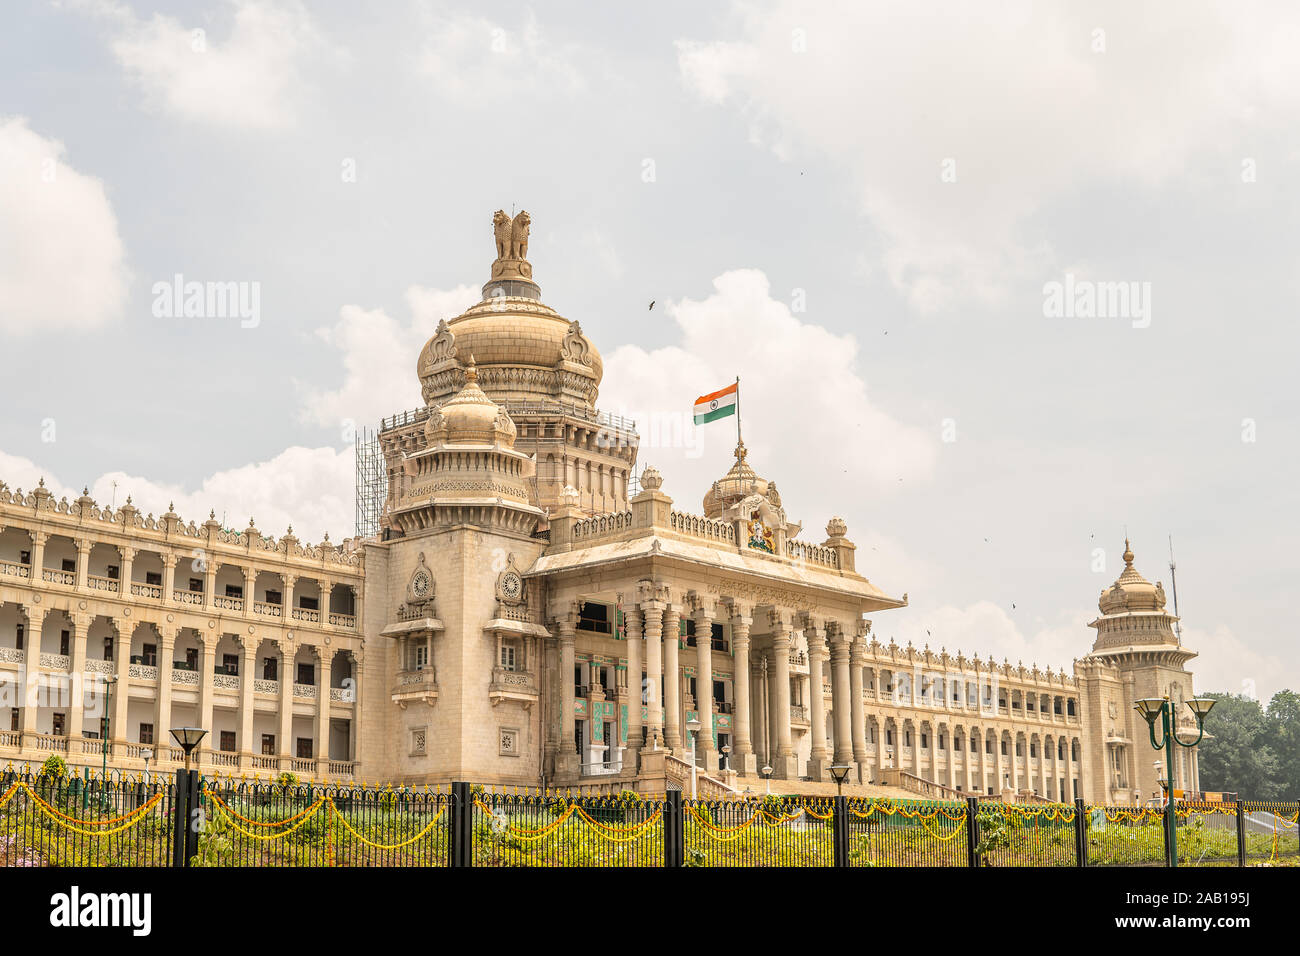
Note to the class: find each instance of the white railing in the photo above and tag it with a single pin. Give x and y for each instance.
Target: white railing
(228, 603)
(306, 614)
(98, 667)
(97, 583)
(303, 765)
(222, 758)
(266, 762)
(12, 655)
(343, 620)
(799, 713)
(58, 577)
(305, 690)
(10, 738)
(56, 662)
(344, 695)
(182, 676)
(187, 597)
(9, 569)
(146, 590)
(342, 768)
(812, 553)
(142, 671)
(266, 686)
(226, 681)
(267, 610)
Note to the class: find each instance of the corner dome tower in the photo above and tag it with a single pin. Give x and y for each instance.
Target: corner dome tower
(1133, 616)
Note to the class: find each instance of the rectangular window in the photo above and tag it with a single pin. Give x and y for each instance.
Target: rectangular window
(69, 564)
(304, 748)
(13, 718)
(112, 572)
(228, 741)
(146, 733)
(196, 584)
(889, 737)
(274, 597)
(719, 691)
(191, 658)
(24, 557)
(268, 744)
(230, 663)
(153, 577)
(689, 626)
(269, 665)
(19, 637)
(149, 655)
(718, 639)
(63, 643)
(309, 603)
(595, 617)
(419, 657)
(306, 675)
(58, 725)
(234, 590)
(507, 657)
(108, 648)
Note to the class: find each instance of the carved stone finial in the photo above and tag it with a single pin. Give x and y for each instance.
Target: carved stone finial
(837, 527)
(651, 480)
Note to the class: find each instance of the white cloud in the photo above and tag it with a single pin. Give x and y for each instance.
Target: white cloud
(1228, 664)
(368, 343)
(310, 488)
(1021, 103)
(800, 394)
(469, 59)
(62, 262)
(249, 78)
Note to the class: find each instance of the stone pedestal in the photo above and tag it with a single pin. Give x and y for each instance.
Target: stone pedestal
(785, 768)
(653, 777)
(819, 769)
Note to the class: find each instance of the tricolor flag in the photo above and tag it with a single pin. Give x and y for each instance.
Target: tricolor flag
(717, 404)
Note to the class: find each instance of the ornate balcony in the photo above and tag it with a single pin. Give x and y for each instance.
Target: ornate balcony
(228, 603)
(518, 686)
(799, 714)
(12, 655)
(343, 620)
(266, 687)
(415, 687)
(188, 597)
(267, 610)
(146, 590)
(306, 614)
(96, 583)
(11, 570)
(305, 691)
(56, 662)
(50, 576)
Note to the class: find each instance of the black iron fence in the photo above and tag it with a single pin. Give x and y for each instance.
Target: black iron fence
(185, 820)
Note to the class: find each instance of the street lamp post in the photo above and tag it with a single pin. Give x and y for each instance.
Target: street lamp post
(767, 775)
(839, 772)
(188, 738)
(103, 721)
(693, 727)
(1150, 708)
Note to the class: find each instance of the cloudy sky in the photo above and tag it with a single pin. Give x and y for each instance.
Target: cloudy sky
(871, 213)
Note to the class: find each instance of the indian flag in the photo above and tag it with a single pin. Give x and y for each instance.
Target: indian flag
(717, 404)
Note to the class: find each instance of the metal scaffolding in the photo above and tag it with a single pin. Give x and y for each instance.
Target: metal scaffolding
(372, 483)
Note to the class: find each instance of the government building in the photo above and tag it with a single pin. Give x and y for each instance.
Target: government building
(529, 609)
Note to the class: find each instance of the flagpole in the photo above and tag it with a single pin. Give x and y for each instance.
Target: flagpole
(738, 441)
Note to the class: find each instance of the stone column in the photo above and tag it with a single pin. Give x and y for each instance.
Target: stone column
(124, 581)
(769, 707)
(162, 727)
(705, 745)
(857, 660)
(654, 649)
(250, 590)
(31, 670)
(122, 653)
(841, 695)
(551, 668)
(247, 673)
(83, 560)
(210, 569)
(322, 745)
(168, 577)
(632, 626)
(745, 761)
(354, 732)
(326, 588)
(818, 760)
(207, 662)
(785, 765)
(673, 681)
(287, 609)
(286, 744)
(38, 560)
(566, 761)
(76, 676)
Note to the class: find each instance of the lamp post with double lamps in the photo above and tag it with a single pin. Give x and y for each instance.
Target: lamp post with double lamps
(693, 726)
(1150, 708)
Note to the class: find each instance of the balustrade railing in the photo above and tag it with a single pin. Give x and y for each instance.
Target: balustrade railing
(228, 603)
(50, 576)
(188, 597)
(306, 691)
(56, 662)
(97, 583)
(9, 569)
(12, 655)
(140, 589)
(267, 610)
(306, 614)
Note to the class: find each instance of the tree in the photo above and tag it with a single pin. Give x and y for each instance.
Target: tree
(1284, 738)
(1236, 755)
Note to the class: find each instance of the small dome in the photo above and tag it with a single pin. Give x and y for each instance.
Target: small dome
(470, 417)
(1131, 591)
(740, 482)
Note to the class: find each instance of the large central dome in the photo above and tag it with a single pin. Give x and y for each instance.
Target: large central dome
(524, 349)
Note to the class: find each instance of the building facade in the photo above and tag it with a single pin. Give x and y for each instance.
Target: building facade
(531, 612)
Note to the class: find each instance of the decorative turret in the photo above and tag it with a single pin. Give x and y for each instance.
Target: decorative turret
(1133, 613)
